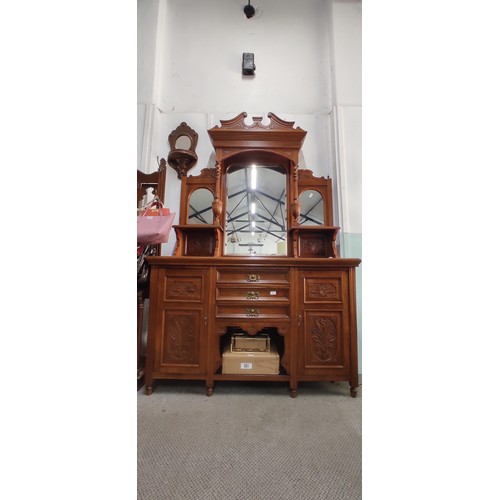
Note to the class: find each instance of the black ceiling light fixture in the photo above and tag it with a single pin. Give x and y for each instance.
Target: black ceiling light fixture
(249, 10)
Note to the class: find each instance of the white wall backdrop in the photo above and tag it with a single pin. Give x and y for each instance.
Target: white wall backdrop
(206, 40)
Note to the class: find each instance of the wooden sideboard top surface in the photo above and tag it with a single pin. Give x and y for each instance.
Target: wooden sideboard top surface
(253, 261)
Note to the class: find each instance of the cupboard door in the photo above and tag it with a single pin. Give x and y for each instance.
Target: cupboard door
(323, 343)
(182, 322)
(323, 331)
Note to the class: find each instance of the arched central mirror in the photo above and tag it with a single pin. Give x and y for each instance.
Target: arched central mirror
(256, 210)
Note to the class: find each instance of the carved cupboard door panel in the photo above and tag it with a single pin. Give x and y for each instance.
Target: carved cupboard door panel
(323, 329)
(182, 317)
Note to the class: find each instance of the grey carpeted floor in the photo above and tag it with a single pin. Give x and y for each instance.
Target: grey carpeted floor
(249, 441)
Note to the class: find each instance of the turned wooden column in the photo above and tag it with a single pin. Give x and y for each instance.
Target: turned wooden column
(217, 203)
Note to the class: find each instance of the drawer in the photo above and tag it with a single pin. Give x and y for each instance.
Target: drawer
(253, 294)
(253, 311)
(275, 275)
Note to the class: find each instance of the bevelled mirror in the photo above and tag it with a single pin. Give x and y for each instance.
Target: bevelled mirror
(256, 210)
(200, 207)
(312, 211)
(183, 142)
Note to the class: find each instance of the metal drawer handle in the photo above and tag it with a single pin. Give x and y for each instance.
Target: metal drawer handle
(252, 312)
(253, 295)
(253, 278)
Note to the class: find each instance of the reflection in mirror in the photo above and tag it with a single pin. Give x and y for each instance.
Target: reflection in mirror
(256, 211)
(183, 142)
(200, 207)
(311, 208)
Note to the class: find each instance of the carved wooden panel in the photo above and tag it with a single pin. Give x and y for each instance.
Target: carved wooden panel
(323, 339)
(180, 340)
(200, 244)
(313, 246)
(183, 288)
(314, 241)
(326, 289)
(199, 240)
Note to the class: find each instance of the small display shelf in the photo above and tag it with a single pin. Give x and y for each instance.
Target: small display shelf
(314, 241)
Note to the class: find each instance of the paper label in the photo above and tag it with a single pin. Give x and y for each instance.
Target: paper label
(272, 292)
(246, 366)
(155, 212)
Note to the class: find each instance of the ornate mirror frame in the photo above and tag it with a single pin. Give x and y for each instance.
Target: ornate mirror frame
(317, 240)
(276, 144)
(182, 160)
(205, 180)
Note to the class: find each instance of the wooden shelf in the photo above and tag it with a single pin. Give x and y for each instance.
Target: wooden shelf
(266, 378)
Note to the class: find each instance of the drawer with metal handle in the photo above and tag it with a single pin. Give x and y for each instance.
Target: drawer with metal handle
(276, 275)
(267, 294)
(253, 311)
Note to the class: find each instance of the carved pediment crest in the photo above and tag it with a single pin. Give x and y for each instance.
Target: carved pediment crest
(275, 122)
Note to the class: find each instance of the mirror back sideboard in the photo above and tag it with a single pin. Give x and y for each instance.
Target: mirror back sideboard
(302, 294)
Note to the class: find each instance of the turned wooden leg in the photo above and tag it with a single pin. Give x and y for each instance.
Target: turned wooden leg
(210, 391)
(148, 381)
(354, 383)
(140, 382)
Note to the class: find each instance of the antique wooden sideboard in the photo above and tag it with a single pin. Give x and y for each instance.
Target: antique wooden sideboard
(308, 306)
(256, 252)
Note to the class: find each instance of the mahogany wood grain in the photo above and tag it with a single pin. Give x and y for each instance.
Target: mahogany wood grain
(306, 300)
(316, 321)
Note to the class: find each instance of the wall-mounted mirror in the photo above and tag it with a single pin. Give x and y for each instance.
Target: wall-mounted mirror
(312, 211)
(256, 210)
(183, 142)
(200, 207)
(182, 156)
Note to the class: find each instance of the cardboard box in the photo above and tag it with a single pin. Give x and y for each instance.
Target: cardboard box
(250, 363)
